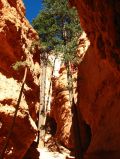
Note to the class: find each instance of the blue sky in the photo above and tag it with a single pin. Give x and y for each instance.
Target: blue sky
(32, 8)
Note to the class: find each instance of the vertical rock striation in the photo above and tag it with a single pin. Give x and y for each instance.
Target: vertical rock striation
(99, 76)
(16, 40)
(61, 109)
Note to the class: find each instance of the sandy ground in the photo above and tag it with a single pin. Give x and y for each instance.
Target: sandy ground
(45, 154)
(52, 150)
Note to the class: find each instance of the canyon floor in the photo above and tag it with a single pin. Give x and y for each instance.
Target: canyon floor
(51, 150)
(45, 154)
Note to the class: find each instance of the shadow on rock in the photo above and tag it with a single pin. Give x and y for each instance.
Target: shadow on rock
(103, 155)
(32, 152)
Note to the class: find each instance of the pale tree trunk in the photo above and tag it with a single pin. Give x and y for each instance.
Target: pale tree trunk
(70, 82)
(42, 108)
(49, 91)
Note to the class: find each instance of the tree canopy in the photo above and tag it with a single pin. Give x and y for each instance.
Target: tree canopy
(59, 28)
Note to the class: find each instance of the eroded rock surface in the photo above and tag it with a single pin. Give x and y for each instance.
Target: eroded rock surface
(16, 44)
(99, 76)
(61, 109)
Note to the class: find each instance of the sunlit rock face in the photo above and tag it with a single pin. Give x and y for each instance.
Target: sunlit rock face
(61, 109)
(99, 75)
(16, 38)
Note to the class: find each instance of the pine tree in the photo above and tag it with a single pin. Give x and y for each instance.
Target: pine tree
(59, 29)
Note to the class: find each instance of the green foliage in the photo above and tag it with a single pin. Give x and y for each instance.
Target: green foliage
(19, 64)
(42, 127)
(59, 28)
(35, 44)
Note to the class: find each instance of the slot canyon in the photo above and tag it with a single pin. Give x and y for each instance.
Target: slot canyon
(92, 127)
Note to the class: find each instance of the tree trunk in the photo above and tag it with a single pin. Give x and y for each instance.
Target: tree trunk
(42, 108)
(49, 91)
(70, 82)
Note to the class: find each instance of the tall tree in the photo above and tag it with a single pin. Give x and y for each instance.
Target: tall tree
(59, 29)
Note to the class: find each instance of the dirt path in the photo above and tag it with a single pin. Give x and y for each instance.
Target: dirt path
(45, 154)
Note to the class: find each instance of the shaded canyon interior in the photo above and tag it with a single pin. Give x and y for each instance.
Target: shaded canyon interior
(97, 96)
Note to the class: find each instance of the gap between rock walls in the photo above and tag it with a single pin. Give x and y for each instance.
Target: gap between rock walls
(67, 104)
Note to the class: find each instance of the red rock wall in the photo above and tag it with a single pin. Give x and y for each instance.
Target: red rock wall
(99, 75)
(61, 110)
(16, 38)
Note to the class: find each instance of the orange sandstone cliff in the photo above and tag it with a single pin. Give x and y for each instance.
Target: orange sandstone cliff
(61, 109)
(99, 76)
(16, 41)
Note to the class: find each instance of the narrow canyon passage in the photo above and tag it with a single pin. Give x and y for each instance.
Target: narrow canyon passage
(73, 111)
